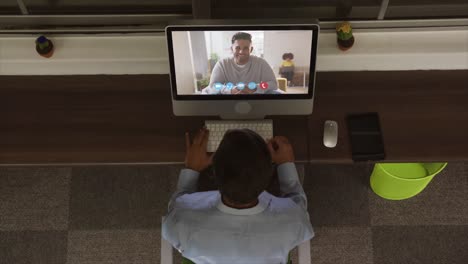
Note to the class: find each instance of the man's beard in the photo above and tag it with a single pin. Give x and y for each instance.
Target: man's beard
(242, 59)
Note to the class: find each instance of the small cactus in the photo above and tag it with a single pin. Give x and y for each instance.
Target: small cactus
(345, 36)
(344, 31)
(44, 47)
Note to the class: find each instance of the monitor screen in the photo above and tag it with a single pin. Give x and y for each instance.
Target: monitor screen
(242, 62)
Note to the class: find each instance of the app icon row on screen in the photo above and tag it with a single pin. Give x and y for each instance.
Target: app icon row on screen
(240, 85)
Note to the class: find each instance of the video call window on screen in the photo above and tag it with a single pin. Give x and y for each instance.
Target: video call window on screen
(242, 62)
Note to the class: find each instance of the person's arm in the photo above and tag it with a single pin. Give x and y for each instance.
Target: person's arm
(196, 160)
(187, 183)
(169, 229)
(282, 154)
(290, 186)
(267, 75)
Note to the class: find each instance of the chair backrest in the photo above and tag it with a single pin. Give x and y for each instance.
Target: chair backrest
(166, 250)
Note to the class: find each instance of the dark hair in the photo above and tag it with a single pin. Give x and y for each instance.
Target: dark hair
(241, 35)
(242, 165)
(288, 55)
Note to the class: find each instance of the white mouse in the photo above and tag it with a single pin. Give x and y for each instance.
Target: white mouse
(330, 133)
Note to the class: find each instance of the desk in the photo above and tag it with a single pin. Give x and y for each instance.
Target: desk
(101, 119)
(128, 119)
(423, 114)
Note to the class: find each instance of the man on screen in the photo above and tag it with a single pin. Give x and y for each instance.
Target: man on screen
(243, 73)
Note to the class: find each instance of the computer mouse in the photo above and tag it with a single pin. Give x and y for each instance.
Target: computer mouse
(330, 133)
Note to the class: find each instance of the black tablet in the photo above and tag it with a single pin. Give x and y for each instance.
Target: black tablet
(365, 136)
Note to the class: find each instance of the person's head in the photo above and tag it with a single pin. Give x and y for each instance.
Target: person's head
(288, 56)
(242, 166)
(241, 46)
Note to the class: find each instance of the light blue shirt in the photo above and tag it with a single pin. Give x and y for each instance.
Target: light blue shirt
(205, 230)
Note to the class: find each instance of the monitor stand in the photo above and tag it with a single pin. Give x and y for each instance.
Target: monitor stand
(243, 110)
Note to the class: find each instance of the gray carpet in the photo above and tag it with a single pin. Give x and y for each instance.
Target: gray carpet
(112, 214)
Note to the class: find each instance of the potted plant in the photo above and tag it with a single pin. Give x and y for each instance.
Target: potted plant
(203, 83)
(44, 47)
(345, 36)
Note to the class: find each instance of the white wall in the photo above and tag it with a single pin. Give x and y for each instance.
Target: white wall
(183, 61)
(216, 43)
(85, 54)
(277, 43)
(220, 42)
(395, 51)
(147, 54)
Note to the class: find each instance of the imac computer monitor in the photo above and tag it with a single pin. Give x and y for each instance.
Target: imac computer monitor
(242, 71)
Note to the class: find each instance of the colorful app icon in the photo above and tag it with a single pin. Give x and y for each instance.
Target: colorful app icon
(264, 85)
(252, 85)
(229, 85)
(218, 86)
(240, 86)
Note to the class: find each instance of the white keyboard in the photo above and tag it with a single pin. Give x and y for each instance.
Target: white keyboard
(217, 129)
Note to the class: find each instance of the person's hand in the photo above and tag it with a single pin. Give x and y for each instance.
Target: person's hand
(196, 157)
(244, 91)
(281, 150)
